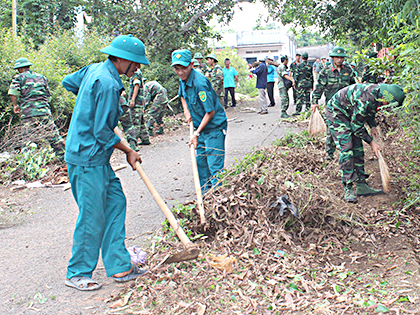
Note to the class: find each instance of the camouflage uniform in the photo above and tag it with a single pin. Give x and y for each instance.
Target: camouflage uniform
(368, 77)
(330, 81)
(346, 115)
(216, 79)
(204, 69)
(32, 88)
(293, 69)
(156, 98)
(305, 83)
(127, 123)
(284, 93)
(138, 128)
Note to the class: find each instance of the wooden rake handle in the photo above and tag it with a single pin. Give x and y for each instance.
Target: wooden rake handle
(162, 205)
(197, 179)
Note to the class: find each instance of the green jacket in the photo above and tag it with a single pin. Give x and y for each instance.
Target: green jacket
(331, 80)
(32, 88)
(304, 77)
(357, 104)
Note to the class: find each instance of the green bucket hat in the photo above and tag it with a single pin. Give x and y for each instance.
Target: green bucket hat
(396, 91)
(198, 56)
(181, 57)
(212, 56)
(338, 52)
(196, 63)
(127, 47)
(22, 62)
(305, 55)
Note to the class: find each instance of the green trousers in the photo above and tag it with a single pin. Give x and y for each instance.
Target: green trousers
(101, 221)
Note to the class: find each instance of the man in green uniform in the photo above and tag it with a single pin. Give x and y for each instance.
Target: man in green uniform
(203, 109)
(197, 66)
(32, 89)
(330, 81)
(203, 67)
(285, 83)
(305, 83)
(156, 99)
(346, 114)
(293, 69)
(215, 74)
(137, 107)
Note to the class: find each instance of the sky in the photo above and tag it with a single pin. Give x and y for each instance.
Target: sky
(243, 20)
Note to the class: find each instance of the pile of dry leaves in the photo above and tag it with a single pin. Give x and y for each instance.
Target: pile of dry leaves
(321, 262)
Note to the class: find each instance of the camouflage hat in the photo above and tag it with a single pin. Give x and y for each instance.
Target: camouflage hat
(22, 62)
(396, 91)
(298, 54)
(323, 58)
(181, 57)
(285, 57)
(196, 63)
(338, 52)
(127, 47)
(212, 56)
(198, 56)
(305, 55)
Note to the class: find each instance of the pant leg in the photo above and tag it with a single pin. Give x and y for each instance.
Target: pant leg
(53, 136)
(300, 91)
(142, 130)
(232, 95)
(359, 159)
(284, 98)
(202, 164)
(270, 92)
(329, 143)
(215, 144)
(263, 100)
(341, 132)
(89, 186)
(307, 98)
(226, 97)
(115, 255)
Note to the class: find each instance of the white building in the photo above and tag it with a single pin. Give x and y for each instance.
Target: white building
(252, 44)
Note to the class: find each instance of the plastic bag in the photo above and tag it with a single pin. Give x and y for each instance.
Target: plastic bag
(316, 123)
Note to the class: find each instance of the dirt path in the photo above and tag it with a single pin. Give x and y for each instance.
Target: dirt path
(36, 245)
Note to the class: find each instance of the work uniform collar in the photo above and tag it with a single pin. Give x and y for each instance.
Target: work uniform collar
(191, 77)
(114, 72)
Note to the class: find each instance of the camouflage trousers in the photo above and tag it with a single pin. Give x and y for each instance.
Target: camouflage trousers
(284, 98)
(351, 161)
(134, 125)
(155, 114)
(43, 127)
(220, 94)
(303, 98)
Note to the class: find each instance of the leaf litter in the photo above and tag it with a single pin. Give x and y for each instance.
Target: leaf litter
(336, 257)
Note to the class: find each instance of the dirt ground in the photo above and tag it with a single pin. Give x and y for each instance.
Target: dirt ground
(37, 224)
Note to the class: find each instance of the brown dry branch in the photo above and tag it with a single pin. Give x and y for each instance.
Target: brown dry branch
(281, 264)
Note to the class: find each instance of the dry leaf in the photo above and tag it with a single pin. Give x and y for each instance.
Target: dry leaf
(222, 262)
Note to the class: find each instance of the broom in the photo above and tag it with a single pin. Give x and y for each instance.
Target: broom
(383, 168)
(316, 123)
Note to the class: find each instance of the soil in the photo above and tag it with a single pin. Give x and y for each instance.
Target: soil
(37, 224)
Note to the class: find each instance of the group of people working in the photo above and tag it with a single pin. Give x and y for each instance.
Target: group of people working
(100, 103)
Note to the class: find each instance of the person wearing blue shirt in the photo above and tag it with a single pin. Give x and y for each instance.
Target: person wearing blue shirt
(203, 109)
(261, 72)
(90, 143)
(271, 72)
(230, 76)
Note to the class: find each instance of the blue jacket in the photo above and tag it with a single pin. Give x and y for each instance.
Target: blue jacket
(271, 73)
(261, 72)
(201, 99)
(91, 136)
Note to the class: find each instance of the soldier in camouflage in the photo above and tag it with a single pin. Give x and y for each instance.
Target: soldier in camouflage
(203, 67)
(197, 66)
(293, 69)
(126, 121)
(346, 114)
(32, 89)
(305, 82)
(283, 90)
(215, 76)
(137, 107)
(156, 100)
(331, 80)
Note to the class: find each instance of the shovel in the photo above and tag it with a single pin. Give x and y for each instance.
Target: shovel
(191, 251)
(197, 180)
